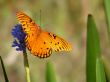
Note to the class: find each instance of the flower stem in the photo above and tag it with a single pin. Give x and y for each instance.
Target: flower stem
(26, 65)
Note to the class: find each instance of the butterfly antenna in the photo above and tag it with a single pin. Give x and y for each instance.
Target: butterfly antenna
(40, 18)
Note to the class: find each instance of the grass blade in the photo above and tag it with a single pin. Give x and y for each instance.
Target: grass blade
(50, 73)
(101, 77)
(93, 49)
(107, 68)
(107, 12)
(4, 71)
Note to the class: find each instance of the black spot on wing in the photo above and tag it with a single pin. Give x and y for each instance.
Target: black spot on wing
(49, 34)
(57, 43)
(60, 48)
(54, 36)
(57, 49)
(44, 42)
(30, 20)
(23, 24)
(47, 48)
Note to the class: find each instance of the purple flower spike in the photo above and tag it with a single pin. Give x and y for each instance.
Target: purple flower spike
(19, 38)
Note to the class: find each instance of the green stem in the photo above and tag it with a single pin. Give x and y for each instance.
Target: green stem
(26, 65)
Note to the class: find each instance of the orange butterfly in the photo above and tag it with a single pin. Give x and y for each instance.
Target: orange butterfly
(39, 42)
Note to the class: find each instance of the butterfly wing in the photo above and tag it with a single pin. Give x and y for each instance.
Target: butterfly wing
(38, 46)
(43, 45)
(39, 42)
(57, 43)
(33, 39)
(28, 24)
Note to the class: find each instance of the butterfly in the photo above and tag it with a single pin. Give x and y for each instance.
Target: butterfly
(39, 42)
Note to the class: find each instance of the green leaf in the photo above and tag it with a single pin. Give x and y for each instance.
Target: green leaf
(107, 12)
(4, 71)
(107, 68)
(50, 73)
(101, 77)
(93, 49)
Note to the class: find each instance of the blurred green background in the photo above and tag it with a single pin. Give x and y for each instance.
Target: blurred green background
(66, 18)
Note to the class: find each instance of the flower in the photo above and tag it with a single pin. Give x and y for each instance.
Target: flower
(19, 38)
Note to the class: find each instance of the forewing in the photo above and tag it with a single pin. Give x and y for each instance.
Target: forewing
(28, 24)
